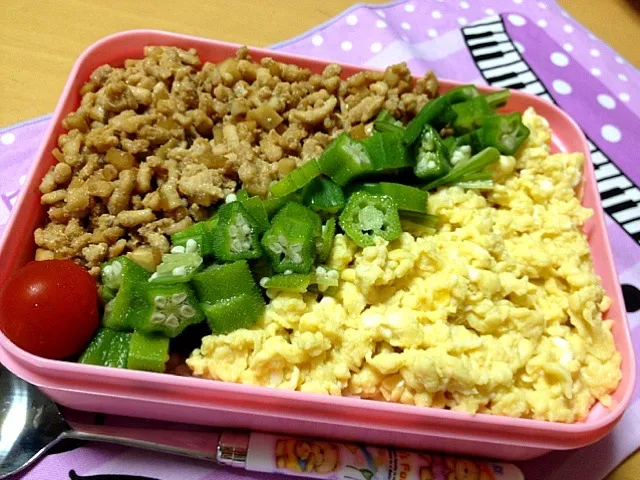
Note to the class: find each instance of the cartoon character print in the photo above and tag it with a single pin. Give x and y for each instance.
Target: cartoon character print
(464, 469)
(425, 472)
(307, 457)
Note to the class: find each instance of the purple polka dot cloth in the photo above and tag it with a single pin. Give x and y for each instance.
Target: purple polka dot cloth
(529, 45)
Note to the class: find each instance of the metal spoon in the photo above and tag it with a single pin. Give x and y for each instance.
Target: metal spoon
(30, 424)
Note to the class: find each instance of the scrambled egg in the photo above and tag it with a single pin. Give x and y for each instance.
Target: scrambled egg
(498, 311)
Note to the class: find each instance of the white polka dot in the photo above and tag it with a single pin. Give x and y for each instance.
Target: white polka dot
(564, 14)
(622, 77)
(594, 52)
(624, 96)
(317, 40)
(595, 72)
(591, 36)
(610, 133)
(436, 14)
(409, 7)
(606, 101)
(542, 5)
(464, 5)
(381, 24)
(519, 46)
(376, 47)
(381, 14)
(620, 60)
(432, 32)
(7, 138)
(542, 23)
(462, 21)
(567, 47)
(517, 1)
(352, 19)
(346, 45)
(22, 179)
(562, 87)
(559, 59)
(490, 11)
(406, 25)
(568, 28)
(517, 20)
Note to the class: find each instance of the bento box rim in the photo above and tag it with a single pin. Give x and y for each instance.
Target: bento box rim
(153, 379)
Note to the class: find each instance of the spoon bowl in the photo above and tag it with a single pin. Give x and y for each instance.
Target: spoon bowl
(30, 424)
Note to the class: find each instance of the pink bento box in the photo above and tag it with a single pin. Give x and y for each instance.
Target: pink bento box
(192, 400)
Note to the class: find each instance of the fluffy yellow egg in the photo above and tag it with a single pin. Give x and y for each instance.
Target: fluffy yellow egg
(497, 311)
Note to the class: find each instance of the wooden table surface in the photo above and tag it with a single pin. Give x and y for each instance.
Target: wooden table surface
(40, 40)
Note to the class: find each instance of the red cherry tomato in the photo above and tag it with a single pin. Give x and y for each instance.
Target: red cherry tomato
(50, 308)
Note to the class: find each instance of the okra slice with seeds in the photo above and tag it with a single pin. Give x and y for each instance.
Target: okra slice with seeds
(432, 156)
(497, 99)
(290, 247)
(344, 159)
(236, 236)
(287, 282)
(125, 276)
(325, 242)
(118, 350)
(255, 207)
(166, 309)
(290, 241)
(476, 181)
(325, 277)
(419, 224)
(273, 204)
(106, 294)
(461, 153)
(463, 168)
(385, 122)
(114, 271)
(97, 351)
(177, 267)
(427, 114)
(219, 282)
(407, 198)
(504, 132)
(396, 155)
(108, 348)
(148, 352)
(296, 211)
(298, 178)
(196, 238)
(242, 195)
(234, 313)
(470, 114)
(387, 152)
(323, 196)
(367, 216)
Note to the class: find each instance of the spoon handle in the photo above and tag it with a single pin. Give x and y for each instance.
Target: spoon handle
(346, 461)
(194, 444)
(295, 456)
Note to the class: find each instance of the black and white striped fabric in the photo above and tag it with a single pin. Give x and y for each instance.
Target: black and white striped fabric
(499, 60)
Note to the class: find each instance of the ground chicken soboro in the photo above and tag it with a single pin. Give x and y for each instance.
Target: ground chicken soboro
(155, 144)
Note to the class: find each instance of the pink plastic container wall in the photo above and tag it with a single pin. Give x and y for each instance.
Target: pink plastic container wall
(193, 400)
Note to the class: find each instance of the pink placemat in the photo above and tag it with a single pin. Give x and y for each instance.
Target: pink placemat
(523, 44)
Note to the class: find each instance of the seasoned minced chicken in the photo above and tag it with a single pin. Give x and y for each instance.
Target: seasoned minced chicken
(157, 143)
